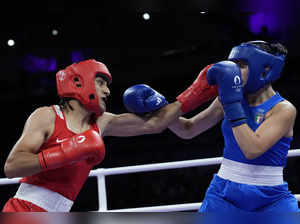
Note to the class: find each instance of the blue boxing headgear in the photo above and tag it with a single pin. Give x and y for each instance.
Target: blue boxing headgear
(258, 60)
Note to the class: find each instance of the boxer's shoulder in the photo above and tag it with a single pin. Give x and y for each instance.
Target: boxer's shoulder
(44, 113)
(42, 118)
(285, 108)
(104, 120)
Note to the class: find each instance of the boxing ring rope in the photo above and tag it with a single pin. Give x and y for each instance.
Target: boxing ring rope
(102, 172)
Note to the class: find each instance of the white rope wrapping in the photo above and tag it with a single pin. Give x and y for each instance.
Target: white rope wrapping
(102, 172)
(162, 208)
(151, 167)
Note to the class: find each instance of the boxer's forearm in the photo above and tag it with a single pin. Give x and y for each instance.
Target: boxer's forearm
(22, 164)
(250, 144)
(162, 118)
(129, 124)
(189, 128)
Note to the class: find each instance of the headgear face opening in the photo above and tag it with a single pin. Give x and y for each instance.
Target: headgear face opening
(78, 81)
(258, 60)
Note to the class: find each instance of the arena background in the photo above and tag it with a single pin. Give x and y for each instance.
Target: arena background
(167, 51)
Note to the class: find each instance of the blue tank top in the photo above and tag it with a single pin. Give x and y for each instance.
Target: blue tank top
(274, 156)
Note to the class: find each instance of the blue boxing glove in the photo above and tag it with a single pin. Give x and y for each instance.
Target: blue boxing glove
(141, 99)
(227, 75)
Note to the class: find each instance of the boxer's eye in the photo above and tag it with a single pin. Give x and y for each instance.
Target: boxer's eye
(101, 82)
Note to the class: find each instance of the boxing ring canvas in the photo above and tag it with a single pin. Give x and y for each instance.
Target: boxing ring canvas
(101, 173)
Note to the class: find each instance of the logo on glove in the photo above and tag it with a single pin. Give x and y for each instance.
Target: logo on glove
(237, 80)
(237, 83)
(158, 101)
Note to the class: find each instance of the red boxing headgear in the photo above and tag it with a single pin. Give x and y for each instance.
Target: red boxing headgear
(78, 81)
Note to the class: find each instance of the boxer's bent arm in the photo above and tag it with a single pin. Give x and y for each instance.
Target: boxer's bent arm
(189, 128)
(279, 124)
(129, 124)
(23, 158)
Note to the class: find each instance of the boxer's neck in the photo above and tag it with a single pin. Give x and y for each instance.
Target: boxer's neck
(77, 119)
(261, 96)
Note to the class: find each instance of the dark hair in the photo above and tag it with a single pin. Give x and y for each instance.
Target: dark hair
(272, 48)
(65, 104)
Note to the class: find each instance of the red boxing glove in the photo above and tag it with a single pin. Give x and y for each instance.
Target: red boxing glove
(87, 145)
(199, 92)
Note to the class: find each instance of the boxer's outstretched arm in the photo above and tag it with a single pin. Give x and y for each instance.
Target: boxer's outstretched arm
(189, 128)
(129, 124)
(23, 159)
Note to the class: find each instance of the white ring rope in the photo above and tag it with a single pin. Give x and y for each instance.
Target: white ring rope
(102, 172)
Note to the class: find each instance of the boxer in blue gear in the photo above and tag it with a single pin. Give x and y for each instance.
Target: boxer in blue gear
(257, 127)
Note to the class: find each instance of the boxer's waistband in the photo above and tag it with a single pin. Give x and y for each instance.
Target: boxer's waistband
(250, 174)
(49, 200)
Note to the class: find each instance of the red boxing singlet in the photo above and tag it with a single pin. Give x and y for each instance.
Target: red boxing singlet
(67, 180)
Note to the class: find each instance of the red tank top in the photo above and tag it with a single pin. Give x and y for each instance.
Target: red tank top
(67, 180)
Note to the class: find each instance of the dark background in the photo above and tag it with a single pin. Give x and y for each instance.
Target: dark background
(166, 52)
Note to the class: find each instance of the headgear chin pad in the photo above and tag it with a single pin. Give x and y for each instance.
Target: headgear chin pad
(78, 81)
(258, 60)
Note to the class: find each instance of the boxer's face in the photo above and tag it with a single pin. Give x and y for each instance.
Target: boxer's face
(102, 91)
(244, 70)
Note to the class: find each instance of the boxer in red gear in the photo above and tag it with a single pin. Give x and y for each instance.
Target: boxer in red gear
(60, 144)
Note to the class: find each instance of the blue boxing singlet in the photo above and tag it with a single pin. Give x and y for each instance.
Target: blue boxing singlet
(275, 156)
(254, 185)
